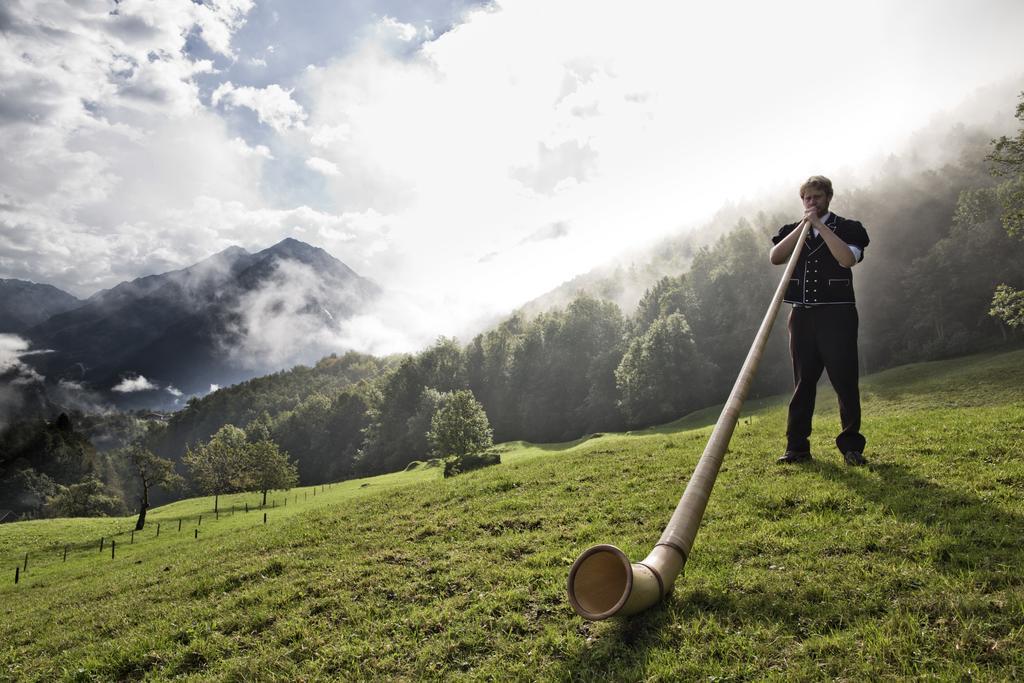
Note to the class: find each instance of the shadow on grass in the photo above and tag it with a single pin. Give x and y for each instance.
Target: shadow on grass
(971, 533)
(965, 533)
(691, 626)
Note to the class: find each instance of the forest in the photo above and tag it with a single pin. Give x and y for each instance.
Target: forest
(941, 278)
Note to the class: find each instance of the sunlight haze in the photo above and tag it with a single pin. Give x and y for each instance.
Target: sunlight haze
(467, 158)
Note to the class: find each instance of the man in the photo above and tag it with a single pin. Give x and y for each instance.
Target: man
(823, 322)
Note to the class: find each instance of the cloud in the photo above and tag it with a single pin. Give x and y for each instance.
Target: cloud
(14, 375)
(554, 231)
(132, 384)
(11, 349)
(325, 136)
(391, 28)
(273, 104)
(214, 387)
(173, 390)
(323, 166)
(295, 303)
(74, 396)
(567, 162)
(23, 390)
(110, 135)
(218, 20)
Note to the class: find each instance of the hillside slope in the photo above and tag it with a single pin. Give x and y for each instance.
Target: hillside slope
(913, 567)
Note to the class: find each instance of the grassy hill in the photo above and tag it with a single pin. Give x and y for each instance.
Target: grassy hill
(912, 567)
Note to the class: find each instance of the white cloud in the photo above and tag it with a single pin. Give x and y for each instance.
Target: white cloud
(218, 20)
(173, 390)
(273, 104)
(294, 304)
(104, 135)
(324, 136)
(214, 387)
(12, 348)
(323, 166)
(15, 376)
(391, 34)
(130, 385)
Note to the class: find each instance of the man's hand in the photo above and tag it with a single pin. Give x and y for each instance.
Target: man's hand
(811, 215)
(840, 249)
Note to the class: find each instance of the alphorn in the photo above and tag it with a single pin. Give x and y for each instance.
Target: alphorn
(603, 582)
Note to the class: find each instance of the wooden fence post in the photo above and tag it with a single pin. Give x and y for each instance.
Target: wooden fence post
(264, 517)
(200, 520)
(133, 537)
(113, 545)
(179, 524)
(158, 529)
(65, 554)
(197, 533)
(101, 545)
(26, 563)
(17, 575)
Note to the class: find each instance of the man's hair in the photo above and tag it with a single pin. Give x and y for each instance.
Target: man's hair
(817, 182)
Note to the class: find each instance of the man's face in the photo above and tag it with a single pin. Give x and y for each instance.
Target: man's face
(815, 199)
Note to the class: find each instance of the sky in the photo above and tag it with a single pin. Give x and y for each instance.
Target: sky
(466, 156)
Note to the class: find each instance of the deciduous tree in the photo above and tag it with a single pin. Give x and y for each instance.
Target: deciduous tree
(151, 471)
(1008, 159)
(88, 498)
(662, 375)
(268, 468)
(460, 426)
(219, 466)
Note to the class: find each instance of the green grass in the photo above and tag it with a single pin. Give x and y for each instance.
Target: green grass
(910, 568)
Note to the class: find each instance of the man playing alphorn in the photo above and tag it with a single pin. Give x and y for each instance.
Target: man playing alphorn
(823, 322)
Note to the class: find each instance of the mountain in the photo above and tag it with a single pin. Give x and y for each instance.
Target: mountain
(24, 304)
(150, 340)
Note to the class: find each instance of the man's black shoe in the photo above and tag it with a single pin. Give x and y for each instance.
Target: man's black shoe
(854, 458)
(793, 457)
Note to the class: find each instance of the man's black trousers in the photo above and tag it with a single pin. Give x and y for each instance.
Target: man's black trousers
(824, 338)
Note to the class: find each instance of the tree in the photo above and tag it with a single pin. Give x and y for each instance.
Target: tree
(267, 468)
(88, 498)
(219, 466)
(1008, 157)
(1008, 305)
(151, 471)
(460, 426)
(663, 375)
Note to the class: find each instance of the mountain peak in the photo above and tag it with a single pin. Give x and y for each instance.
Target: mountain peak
(293, 248)
(24, 303)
